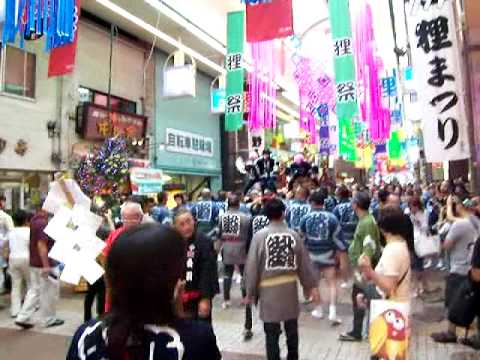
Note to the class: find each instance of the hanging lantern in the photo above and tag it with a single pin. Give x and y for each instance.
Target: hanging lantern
(179, 79)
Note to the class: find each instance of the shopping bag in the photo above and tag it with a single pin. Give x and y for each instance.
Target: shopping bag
(426, 246)
(389, 329)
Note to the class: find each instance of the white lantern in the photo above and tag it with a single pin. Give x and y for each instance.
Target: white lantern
(179, 79)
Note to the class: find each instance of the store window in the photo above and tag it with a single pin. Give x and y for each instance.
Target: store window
(100, 98)
(18, 71)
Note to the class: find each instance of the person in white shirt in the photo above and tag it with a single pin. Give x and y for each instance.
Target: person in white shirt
(19, 260)
(6, 225)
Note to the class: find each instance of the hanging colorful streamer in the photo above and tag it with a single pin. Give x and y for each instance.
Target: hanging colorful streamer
(262, 92)
(346, 85)
(34, 18)
(316, 88)
(235, 71)
(368, 73)
(323, 113)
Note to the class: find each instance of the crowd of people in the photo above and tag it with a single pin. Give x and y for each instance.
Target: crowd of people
(155, 302)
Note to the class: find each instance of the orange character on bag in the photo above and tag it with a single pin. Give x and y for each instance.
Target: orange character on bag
(388, 336)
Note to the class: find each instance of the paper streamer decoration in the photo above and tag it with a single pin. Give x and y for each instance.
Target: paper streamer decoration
(62, 59)
(323, 113)
(268, 20)
(435, 50)
(262, 89)
(76, 244)
(346, 85)
(368, 73)
(316, 88)
(235, 71)
(34, 18)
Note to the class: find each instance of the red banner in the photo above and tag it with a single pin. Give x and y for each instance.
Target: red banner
(62, 59)
(270, 20)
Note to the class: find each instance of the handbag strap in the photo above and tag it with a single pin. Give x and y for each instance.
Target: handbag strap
(400, 282)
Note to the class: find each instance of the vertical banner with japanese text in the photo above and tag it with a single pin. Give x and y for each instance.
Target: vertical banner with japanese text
(346, 86)
(436, 55)
(235, 71)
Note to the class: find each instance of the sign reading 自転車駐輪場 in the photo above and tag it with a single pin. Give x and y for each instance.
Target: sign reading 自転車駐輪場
(436, 59)
(184, 142)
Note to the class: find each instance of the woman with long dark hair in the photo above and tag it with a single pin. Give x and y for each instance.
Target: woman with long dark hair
(144, 268)
(392, 275)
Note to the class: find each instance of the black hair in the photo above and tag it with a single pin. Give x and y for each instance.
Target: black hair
(392, 220)
(362, 200)
(143, 268)
(21, 217)
(162, 196)
(383, 195)
(318, 198)
(2, 197)
(179, 195)
(266, 152)
(234, 201)
(343, 192)
(274, 209)
(222, 195)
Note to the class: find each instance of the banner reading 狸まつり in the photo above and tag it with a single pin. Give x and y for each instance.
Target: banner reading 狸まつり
(235, 71)
(346, 85)
(436, 56)
(268, 20)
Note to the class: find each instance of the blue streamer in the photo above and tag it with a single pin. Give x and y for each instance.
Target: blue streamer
(34, 18)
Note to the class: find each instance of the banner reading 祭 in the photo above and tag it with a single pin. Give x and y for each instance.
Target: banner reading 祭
(344, 63)
(235, 71)
(435, 48)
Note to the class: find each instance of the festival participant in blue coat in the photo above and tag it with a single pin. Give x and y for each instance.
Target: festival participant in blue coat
(144, 270)
(206, 213)
(222, 202)
(161, 213)
(324, 242)
(297, 209)
(330, 202)
(345, 214)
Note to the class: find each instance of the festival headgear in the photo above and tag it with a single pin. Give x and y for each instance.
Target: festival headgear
(298, 159)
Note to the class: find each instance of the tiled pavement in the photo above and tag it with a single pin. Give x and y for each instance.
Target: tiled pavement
(318, 339)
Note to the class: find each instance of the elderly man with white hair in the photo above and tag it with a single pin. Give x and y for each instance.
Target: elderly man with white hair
(131, 214)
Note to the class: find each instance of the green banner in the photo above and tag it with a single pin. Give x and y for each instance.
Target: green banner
(344, 64)
(235, 71)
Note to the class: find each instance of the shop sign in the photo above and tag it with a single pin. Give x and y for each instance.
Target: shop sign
(179, 141)
(217, 101)
(98, 123)
(146, 181)
(435, 50)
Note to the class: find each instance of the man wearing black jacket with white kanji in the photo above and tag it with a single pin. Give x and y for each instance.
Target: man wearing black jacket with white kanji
(201, 276)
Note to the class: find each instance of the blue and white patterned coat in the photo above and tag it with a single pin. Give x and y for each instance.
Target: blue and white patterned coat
(348, 219)
(296, 210)
(323, 237)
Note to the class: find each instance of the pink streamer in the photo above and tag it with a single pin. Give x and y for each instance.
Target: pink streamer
(368, 74)
(316, 88)
(263, 90)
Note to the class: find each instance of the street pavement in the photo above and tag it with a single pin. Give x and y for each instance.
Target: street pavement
(318, 340)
